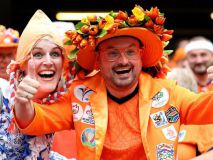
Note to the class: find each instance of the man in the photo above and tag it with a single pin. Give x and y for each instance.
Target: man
(121, 112)
(8, 45)
(199, 54)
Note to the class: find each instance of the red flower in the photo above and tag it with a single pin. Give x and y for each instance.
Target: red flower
(93, 30)
(85, 29)
(160, 20)
(168, 31)
(149, 24)
(158, 29)
(122, 16)
(166, 37)
(153, 13)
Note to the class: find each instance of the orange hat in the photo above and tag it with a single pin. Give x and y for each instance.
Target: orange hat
(146, 26)
(8, 37)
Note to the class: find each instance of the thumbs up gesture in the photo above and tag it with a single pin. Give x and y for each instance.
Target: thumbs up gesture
(210, 73)
(28, 87)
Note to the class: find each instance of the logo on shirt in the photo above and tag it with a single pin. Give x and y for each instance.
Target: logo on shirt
(77, 111)
(172, 115)
(88, 116)
(88, 137)
(160, 99)
(170, 133)
(159, 119)
(165, 151)
(82, 93)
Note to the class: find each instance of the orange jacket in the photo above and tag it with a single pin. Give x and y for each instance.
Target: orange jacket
(163, 106)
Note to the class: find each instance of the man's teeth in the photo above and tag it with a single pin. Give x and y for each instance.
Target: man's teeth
(46, 72)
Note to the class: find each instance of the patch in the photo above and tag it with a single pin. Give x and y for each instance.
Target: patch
(165, 151)
(170, 133)
(159, 119)
(82, 93)
(88, 137)
(77, 111)
(172, 115)
(88, 116)
(160, 99)
(182, 135)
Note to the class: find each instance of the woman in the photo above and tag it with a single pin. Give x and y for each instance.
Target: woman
(40, 55)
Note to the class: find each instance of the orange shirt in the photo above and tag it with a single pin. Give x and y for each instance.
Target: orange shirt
(123, 138)
(204, 88)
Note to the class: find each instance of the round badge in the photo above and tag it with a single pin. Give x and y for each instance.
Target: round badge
(88, 137)
(77, 111)
(160, 99)
(82, 93)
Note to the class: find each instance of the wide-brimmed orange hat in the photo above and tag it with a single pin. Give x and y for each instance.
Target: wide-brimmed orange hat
(146, 26)
(8, 37)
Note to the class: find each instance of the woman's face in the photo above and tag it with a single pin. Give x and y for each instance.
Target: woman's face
(45, 66)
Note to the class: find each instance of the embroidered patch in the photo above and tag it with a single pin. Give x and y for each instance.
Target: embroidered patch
(159, 119)
(170, 133)
(165, 151)
(182, 135)
(82, 93)
(77, 111)
(88, 116)
(172, 115)
(160, 99)
(88, 137)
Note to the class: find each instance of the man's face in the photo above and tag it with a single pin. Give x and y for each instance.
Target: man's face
(6, 55)
(199, 60)
(120, 62)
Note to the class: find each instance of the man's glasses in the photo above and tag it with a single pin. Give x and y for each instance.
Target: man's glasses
(114, 54)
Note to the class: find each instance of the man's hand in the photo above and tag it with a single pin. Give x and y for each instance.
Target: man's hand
(210, 73)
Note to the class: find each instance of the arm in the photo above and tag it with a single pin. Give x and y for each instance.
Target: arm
(194, 108)
(37, 119)
(206, 156)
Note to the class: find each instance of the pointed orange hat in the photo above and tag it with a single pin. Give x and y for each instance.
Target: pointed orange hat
(38, 27)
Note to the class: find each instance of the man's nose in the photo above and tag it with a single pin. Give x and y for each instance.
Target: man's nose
(123, 59)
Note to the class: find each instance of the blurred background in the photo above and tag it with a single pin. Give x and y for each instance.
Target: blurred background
(187, 17)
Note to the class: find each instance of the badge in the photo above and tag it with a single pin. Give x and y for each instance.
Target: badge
(165, 151)
(170, 133)
(82, 93)
(77, 111)
(182, 135)
(160, 99)
(88, 137)
(159, 119)
(172, 115)
(88, 116)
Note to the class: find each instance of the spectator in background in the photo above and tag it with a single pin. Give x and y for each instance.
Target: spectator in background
(199, 54)
(8, 45)
(178, 59)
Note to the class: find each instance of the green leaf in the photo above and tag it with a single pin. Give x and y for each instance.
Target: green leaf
(113, 14)
(101, 33)
(69, 42)
(73, 53)
(124, 24)
(99, 18)
(147, 18)
(168, 52)
(79, 25)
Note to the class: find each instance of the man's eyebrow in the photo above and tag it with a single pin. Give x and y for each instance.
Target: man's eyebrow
(111, 47)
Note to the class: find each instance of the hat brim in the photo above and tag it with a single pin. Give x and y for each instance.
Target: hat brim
(9, 45)
(152, 49)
